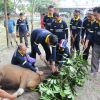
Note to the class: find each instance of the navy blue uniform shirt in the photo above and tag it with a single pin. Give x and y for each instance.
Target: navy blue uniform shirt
(75, 27)
(86, 27)
(48, 21)
(22, 26)
(19, 59)
(95, 33)
(38, 36)
(60, 29)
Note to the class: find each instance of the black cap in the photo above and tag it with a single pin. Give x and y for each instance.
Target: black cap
(77, 11)
(56, 15)
(50, 6)
(21, 14)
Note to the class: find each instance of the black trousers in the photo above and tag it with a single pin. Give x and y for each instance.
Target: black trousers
(46, 49)
(21, 35)
(86, 51)
(75, 45)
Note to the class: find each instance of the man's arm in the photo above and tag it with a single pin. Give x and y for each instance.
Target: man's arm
(27, 25)
(44, 20)
(66, 29)
(24, 63)
(90, 36)
(83, 30)
(13, 22)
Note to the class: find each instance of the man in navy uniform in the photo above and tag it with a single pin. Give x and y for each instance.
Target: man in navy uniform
(48, 19)
(22, 29)
(86, 27)
(45, 38)
(21, 58)
(95, 37)
(75, 28)
(59, 28)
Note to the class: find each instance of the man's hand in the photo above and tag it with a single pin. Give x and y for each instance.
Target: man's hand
(42, 58)
(82, 41)
(86, 44)
(54, 68)
(40, 72)
(17, 33)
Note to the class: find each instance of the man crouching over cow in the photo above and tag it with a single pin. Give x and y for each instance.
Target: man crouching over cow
(21, 58)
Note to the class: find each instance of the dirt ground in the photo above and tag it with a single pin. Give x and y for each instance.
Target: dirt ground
(90, 91)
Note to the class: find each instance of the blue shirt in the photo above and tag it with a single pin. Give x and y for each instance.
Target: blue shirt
(11, 24)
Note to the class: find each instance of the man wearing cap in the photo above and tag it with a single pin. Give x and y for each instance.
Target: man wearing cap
(59, 28)
(75, 29)
(46, 39)
(86, 27)
(22, 28)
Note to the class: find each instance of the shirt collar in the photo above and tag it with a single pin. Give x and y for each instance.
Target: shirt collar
(59, 21)
(20, 53)
(49, 15)
(98, 22)
(76, 19)
(46, 39)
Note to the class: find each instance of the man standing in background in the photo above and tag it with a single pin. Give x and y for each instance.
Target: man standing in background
(86, 27)
(95, 37)
(48, 19)
(75, 28)
(22, 28)
(11, 34)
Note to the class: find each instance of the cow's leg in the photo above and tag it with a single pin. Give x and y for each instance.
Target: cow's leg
(22, 87)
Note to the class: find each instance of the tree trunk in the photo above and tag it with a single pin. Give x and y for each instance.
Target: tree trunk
(6, 20)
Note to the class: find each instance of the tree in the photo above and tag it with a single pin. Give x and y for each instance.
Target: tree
(10, 5)
(5, 11)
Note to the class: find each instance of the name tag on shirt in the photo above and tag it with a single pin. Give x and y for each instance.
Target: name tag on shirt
(59, 30)
(74, 27)
(48, 23)
(98, 33)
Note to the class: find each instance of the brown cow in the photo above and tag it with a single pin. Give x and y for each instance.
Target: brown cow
(18, 76)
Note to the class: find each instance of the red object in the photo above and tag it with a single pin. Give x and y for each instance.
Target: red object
(42, 22)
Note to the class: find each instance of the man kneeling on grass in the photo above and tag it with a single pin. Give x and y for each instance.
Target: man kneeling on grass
(22, 59)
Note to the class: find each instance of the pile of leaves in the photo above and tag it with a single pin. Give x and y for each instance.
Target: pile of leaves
(72, 73)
